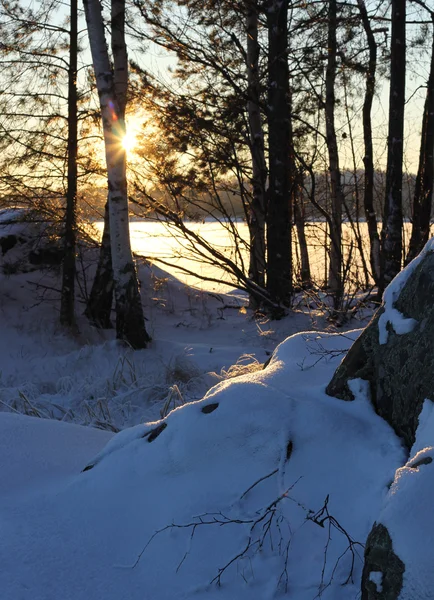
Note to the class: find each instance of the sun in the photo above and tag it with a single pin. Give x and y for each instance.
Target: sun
(134, 133)
(129, 141)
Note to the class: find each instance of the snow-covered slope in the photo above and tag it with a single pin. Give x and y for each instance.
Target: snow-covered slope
(266, 486)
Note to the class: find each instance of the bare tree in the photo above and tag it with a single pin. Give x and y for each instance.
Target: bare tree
(281, 158)
(391, 234)
(300, 222)
(423, 191)
(256, 222)
(337, 198)
(130, 324)
(100, 300)
(368, 159)
(40, 124)
(67, 314)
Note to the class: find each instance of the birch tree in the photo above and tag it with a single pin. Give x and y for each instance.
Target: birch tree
(130, 325)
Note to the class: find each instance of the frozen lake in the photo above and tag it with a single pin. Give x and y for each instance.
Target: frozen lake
(159, 241)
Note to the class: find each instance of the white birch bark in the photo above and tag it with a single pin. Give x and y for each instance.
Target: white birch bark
(129, 316)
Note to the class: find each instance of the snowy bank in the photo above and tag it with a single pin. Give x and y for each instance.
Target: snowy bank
(265, 486)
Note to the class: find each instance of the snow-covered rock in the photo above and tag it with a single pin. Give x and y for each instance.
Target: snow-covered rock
(395, 352)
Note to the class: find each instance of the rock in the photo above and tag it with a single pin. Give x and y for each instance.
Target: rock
(7, 242)
(400, 372)
(383, 572)
(48, 255)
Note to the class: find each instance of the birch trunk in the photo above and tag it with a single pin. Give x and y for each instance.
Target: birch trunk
(259, 166)
(335, 282)
(391, 235)
(67, 313)
(99, 305)
(130, 325)
(281, 170)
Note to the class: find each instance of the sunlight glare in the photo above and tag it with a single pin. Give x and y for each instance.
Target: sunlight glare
(129, 142)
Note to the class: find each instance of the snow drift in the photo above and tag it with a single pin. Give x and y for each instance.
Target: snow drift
(265, 487)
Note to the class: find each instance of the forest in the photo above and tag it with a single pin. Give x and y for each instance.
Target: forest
(216, 283)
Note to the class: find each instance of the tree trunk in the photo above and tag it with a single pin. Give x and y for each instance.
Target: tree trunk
(259, 167)
(98, 308)
(425, 174)
(67, 312)
(368, 159)
(300, 225)
(391, 235)
(335, 282)
(281, 161)
(130, 324)
(99, 304)
(354, 221)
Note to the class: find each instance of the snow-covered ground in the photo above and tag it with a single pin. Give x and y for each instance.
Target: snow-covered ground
(86, 377)
(259, 487)
(316, 462)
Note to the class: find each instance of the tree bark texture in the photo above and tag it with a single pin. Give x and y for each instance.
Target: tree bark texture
(368, 159)
(99, 304)
(391, 235)
(300, 225)
(400, 371)
(98, 308)
(281, 161)
(256, 222)
(130, 325)
(120, 57)
(67, 301)
(425, 175)
(335, 282)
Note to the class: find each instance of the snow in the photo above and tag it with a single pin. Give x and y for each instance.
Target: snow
(401, 325)
(203, 464)
(35, 451)
(258, 485)
(407, 511)
(377, 578)
(11, 215)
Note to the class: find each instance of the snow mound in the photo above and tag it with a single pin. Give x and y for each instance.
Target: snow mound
(407, 512)
(250, 493)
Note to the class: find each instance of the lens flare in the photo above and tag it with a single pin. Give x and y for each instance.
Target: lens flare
(129, 142)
